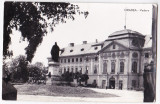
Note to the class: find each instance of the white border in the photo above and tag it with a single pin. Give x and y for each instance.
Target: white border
(103, 1)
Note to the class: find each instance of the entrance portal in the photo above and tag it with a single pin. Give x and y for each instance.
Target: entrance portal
(112, 83)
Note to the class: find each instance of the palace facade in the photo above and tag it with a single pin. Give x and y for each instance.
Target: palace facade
(117, 62)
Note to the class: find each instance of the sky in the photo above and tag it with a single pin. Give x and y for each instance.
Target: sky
(103, 20)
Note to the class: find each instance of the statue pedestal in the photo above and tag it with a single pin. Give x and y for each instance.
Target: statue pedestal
(54, 70)
(49, 81)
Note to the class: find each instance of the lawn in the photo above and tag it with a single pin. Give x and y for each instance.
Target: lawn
(65, 91)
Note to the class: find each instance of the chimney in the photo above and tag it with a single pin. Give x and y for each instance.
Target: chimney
(96, 40)
(71, 44)
(84, 42)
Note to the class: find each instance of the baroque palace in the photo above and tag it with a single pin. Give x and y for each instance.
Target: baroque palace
(117, 62)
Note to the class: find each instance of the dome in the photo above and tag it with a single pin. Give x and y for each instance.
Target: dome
(125, 31)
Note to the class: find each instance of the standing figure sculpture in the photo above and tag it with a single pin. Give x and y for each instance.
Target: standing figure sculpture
(55, 52)
(148, 76)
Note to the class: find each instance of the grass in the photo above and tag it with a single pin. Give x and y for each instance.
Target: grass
(65, 91)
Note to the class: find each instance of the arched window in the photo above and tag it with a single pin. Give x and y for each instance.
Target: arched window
(113, 66)
(95, 69)
(134, 67)
(104, 68)
(80, 70)
(86, 70)
(68, 70)
(64, 70)
(121, 67)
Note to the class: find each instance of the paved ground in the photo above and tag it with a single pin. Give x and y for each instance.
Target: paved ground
(125, 96)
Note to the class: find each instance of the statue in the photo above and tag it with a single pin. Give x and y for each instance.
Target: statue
(148, 76)
(55, 52)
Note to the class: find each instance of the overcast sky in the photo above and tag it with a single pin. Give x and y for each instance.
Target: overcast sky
(103, 19)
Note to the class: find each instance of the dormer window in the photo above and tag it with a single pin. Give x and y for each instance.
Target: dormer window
(71, 50)
(146, 55)
(82, 49)
(95, 48)
(114, 46)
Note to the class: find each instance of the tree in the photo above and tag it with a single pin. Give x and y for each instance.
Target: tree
(19, 69)
(30, 18)
(68, 77)
(39, 65)
(84, 78)
(37, 73)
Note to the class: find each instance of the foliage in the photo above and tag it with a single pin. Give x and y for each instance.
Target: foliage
(84, 77)
(30, 18)
(5, 68)
(35, 70)
(69, 76)
(18, 68)
(39, 65)
(37, 73)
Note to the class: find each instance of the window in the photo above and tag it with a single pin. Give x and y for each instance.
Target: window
(61, 60)
(86, 58)
(134, 67)
(95, 48)
(82, 49)
(95, 69)
(60, 70)
(96, 58)
(121, 67)
(64, 70)
(120, 84)
(86, 69)
(113, 67)
(72, 59)
(103, 83)
(104, 68)
(114, 46)
(113, 55)
(68, 70)
(133, 83)
(68, 60)
(76, 59)
(80, 59)
(71, 50)
(146, 55)
(135, 55)
(64, 60)
(122, 55)
(81, 70)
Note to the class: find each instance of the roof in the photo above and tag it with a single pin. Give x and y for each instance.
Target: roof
(148, 42)
(125, 31)
(81, 49)
(92, 48)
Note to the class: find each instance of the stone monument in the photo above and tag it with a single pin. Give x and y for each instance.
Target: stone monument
(53, 65)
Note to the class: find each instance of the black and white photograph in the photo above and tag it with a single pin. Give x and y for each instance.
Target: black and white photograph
(79, 52)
